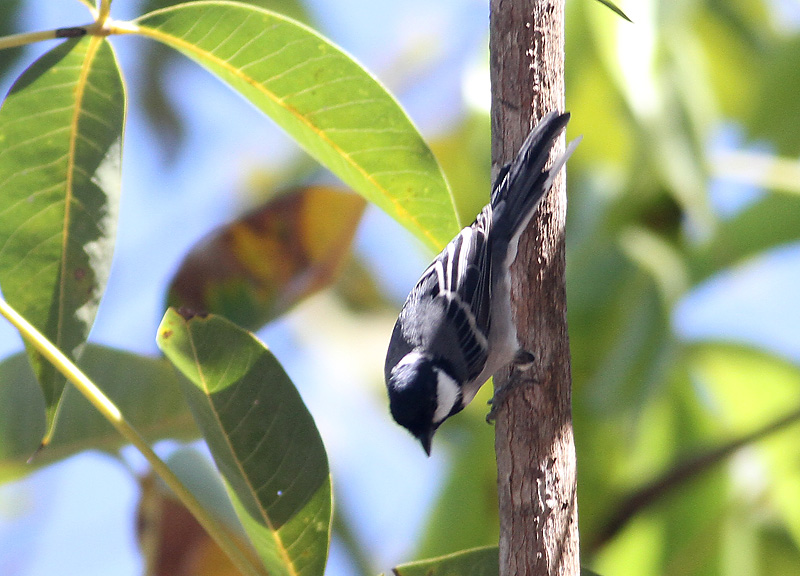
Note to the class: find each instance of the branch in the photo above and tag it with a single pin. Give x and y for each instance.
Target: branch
(107, 408)
(683, 472)
(534, 438)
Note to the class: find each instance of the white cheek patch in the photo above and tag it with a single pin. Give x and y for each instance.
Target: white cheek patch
(448, 392)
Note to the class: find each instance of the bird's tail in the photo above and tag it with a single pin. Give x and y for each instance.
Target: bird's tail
(521, 184)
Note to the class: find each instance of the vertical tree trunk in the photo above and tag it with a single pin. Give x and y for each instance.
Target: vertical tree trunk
(534, 439)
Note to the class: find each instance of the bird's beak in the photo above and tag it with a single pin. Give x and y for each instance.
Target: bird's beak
(426, 440)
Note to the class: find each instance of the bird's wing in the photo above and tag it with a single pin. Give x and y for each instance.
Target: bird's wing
(456, 285)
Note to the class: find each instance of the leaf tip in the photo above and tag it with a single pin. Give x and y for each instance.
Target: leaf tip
(616, 9)
(45, 442)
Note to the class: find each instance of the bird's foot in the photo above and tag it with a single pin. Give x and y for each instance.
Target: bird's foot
(523, 361)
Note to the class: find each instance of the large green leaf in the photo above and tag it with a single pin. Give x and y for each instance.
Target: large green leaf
(262, 437)
(161, 108)
(61, 132)
(476, 562)
(145, 390)
(326, 101)
(292, 8)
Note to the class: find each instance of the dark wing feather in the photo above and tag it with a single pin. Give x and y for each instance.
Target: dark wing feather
(452, 301)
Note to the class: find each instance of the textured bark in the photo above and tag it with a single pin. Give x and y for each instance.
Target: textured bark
(534, 439)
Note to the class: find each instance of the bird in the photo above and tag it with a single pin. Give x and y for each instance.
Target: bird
(456, 328)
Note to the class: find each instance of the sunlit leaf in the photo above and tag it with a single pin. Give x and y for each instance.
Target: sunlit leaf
(161, 107)
(359, 289)
(475, 562)
(145, 389)
(60, 151)
(327, 102)
(262, 438)
(259, 266)
(742, 57)
(665, 99)
(295, 9)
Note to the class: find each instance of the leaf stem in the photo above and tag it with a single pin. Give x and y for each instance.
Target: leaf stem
(15, 40)
(107, 408)
(25, 38)
(91, 8)
(102, 12)
(103, 26)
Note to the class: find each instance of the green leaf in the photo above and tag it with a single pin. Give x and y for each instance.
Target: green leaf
(614, 8)
(162, 109)
(61, 132)
(9, 9)
(482, 561)
(476, 562)
(336, 110)
(295, 9)
(764, 225)
(750, 390)
(145, 390)
(262, 437)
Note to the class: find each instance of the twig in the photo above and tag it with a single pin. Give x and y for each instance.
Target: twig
(690, 468)
(107, 408)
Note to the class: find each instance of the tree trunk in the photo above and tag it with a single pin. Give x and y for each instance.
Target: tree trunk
(534, 439)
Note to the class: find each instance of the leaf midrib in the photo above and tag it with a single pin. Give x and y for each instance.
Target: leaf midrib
(288, 562)
(80, 91)
(193, 48)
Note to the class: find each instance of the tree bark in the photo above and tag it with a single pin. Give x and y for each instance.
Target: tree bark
(534, 440)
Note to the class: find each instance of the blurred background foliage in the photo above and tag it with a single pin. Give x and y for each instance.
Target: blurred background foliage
(683, 259)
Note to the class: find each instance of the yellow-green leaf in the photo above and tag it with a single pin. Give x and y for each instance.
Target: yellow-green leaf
(326, 101)
(145, 389)
(475, 562)
(61, 132)
(262, 437)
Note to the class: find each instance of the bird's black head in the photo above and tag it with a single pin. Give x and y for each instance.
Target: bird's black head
(421, 396)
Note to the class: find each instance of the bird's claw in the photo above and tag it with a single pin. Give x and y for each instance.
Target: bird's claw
(522, 362)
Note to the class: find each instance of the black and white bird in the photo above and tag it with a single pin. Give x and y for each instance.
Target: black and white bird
(456, 329)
